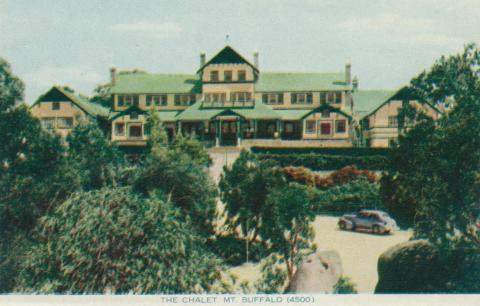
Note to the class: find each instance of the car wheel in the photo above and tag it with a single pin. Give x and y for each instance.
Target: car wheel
(342, 225)
(376, 229)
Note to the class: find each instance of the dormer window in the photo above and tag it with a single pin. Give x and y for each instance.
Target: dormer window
(302, 98)
(214, 76)
(227, 76)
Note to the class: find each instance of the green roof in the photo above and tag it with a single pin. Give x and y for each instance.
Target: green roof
(197, 113)
(292, 114)
(90, 108)
(167, 116)
(227, 55)
(300, 81)
(366, 101)
(141, 83)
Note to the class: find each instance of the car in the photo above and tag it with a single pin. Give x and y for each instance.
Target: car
(375, 221)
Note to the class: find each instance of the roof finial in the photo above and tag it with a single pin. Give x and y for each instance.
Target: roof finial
(227, 39)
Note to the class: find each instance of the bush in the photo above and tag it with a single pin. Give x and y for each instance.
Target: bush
(327, 162)
(345, 286)
(323, 151)
(356, 195)
(112, 240)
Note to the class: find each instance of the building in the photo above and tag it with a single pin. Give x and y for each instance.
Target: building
(378, 110)
(59, 110)
(229, 101)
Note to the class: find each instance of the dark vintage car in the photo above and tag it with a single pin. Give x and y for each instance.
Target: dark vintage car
(375, 221)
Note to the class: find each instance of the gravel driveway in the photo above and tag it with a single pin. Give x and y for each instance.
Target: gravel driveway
(359, 252)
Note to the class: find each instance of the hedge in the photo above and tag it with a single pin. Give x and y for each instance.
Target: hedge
(358, 152)
(328, 162)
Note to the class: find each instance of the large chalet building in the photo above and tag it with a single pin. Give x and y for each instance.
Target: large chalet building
(229, 101)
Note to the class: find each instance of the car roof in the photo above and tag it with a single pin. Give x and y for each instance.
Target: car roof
(373, 211)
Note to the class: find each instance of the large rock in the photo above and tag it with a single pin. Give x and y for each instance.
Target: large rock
(319, 273)
(410, 267)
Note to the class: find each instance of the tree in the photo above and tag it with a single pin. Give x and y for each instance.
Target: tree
(287, 229)
(113, 240)
(244, 189)
(11, 87)
(178, 169)
(440, 175)
(102, 95)
(34, 175)
(96, 160)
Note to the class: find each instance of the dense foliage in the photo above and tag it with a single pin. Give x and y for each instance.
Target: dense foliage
(180, 170)
(323, 151)
(112, 240)
(98, 161)
(327, 162)
(434, 175)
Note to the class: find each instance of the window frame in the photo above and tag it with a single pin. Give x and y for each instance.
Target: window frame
(393, 121)
(214, 76)
(230, 75)
(310, 131)
(52, 120)
(116, 130)
(344, 122)
(241, 75)
(301, 98)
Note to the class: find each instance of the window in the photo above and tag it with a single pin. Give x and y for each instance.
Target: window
(323, 97)
(273, 98)
(242, 75)
(48, 123)
(301, 98)
(127, 100)
(392, 121)
(227, 76)
(325, 113)
(120, 129)
(184, 100)
(325, 128)
(133, 116)
(214, 76)
(157, 100)
(338, 97)
(340, 126)
(55, 105)
(240, 96)
(216, 97)
(135, 130)
(310, 127)
(65, 122)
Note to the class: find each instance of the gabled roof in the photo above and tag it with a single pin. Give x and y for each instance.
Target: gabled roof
(300, 81)
(365, 101)
(155, 83)
(54, 93)
(227, 55)
(378, 99)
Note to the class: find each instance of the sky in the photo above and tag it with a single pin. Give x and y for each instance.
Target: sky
(76, 42)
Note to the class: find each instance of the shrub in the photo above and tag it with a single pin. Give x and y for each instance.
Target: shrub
(233, 249)
(324, 151)
(327, 162)
(112, 240)
(345, 286)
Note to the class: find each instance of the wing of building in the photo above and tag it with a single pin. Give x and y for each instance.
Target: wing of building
(60, 109)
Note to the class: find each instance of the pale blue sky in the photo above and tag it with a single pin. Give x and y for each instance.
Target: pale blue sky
(75, 42)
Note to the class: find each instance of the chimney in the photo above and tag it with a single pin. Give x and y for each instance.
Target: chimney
(255, 58)
(348, 72)
(355, 83)
(203, 57)
(113, 75)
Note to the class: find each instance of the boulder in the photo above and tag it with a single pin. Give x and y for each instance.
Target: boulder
(411, 267)
(318, 273)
